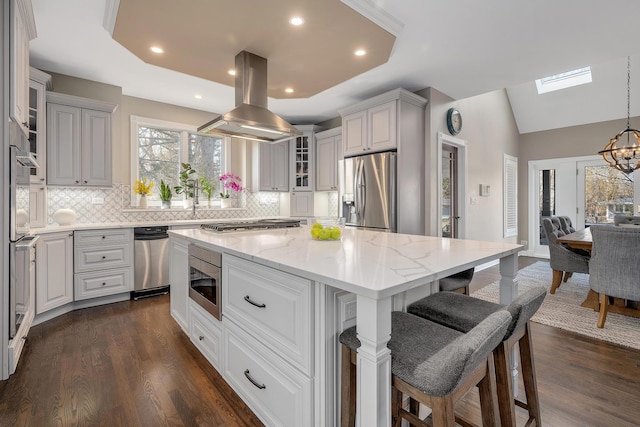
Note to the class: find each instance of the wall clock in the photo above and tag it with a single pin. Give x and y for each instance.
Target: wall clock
(454, 121)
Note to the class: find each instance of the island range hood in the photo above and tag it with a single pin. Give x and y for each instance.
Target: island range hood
(251, 119)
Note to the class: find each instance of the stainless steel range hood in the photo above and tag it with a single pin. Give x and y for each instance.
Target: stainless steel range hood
(251, 119)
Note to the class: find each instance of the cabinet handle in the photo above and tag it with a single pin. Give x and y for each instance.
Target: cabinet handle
(254, 382)
(25, 124)
(247, 298)
(42, 179)
(70, 234)
(42, 188)
(104, 257)
(104, 237)
(85, 181)
(104, 283)
(77, 182)
(201, 338)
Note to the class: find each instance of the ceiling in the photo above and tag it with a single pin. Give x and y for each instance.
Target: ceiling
(462, 48)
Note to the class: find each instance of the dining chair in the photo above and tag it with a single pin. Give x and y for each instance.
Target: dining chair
(565, 224)
(615, 265)
(457, 282)
(562, 260)
(622, 220)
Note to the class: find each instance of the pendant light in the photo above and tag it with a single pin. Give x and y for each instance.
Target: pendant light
(625, 158)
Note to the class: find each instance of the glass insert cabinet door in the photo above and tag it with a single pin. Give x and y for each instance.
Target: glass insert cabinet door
(302, 164)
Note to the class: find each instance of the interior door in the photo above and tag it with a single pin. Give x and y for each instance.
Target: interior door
(449, 214)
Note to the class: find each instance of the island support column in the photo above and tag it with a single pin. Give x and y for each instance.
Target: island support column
(509, 292)
(374, 362)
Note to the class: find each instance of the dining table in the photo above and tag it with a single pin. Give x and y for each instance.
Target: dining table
(580, 239)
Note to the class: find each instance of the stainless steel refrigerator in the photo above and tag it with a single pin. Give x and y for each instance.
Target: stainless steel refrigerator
(368, 191)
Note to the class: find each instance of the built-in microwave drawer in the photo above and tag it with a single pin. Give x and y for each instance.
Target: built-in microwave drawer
(100, 237)
(275, 307)
(278, 393)
(102, 283)
(102, 257)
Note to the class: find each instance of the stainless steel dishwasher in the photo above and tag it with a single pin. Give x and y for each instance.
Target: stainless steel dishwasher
(151, 261)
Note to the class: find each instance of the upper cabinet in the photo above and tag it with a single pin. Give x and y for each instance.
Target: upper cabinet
(39, 83)
(78, 141)
(22, 30)
(302, 151)
(372, 125)
(328, 153)
(270, 166)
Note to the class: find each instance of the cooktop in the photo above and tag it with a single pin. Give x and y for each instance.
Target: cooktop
(251, 225)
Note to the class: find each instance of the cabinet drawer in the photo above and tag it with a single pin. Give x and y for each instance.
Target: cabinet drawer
(275, 307)
(276, 392)
(102, 257)
(101, 283)
(93, 237)
(206, 334)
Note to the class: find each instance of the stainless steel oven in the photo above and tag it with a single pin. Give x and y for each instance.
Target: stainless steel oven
(205, 274)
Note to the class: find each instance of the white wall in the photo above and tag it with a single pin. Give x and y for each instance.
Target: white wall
(490, 130)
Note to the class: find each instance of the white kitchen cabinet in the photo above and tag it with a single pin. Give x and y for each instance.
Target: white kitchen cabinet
(271, 166)
(54, 271)
(273, 306)
(78, 141)
(22, 30)
(328, 153)
(103, 263)
(179, 280)
(380, 123)
(37, 205)
(39, 83)
(302, 163)
(301, 203)
(206, 334)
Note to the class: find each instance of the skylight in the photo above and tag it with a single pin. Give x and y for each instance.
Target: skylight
(564, 80)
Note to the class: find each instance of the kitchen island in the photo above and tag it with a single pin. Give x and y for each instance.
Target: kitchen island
(380, 269)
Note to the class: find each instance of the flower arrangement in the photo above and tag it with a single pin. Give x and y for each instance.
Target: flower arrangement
(142, 187)
(230, 181)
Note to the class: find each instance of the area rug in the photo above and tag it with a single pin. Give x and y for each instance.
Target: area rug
(562, 310)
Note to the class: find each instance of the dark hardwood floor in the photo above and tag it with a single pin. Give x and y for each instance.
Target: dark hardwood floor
(129, 364)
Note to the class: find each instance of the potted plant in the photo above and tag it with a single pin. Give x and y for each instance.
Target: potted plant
(143, 189)
(186, 183)
(165, 195)
(229, 182)
(207, 188)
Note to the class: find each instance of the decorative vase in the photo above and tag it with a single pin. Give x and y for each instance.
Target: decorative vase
(166, 204)
(225, 203)
(64, 216)
(186, 203)
(143, 202)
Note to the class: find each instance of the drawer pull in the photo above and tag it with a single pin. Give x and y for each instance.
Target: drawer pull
(104, 257)
(247, 298)
(254, 382)
(200, 337)
(104, 237)
(104, 283)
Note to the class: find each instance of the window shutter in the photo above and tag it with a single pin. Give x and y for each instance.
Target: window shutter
(510, 196)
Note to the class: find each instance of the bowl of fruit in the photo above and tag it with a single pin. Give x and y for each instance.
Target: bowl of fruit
(327, 228)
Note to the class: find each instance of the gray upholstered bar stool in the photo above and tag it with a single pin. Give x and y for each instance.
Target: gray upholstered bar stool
(457, 281)
(432, 364)
(463, 313)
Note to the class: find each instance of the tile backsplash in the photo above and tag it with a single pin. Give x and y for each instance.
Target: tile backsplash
(116, 206)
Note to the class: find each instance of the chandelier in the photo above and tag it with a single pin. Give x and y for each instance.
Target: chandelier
(625, 158)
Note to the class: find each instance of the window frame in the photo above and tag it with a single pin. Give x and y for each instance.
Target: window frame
(184, 129)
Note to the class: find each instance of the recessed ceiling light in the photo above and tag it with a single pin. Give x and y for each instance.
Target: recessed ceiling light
(197, 96)
(232, 72)
(157, 49)
(360, 52)
(289, 90)
(296, 20)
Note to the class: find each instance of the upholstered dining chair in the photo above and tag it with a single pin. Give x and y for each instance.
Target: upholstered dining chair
(615, 265)
(457, 282)
(565, 224)
(562, 260)
(626, 220)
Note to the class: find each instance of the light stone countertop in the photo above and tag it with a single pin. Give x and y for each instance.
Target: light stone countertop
(53, 228)
(369, 263)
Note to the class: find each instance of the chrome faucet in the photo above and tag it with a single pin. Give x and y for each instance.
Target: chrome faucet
(194, 183)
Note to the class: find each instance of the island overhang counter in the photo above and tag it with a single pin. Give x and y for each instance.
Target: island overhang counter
(375, 266)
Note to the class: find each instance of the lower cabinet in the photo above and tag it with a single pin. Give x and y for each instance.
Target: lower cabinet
(278, 393)
(179, 280)
(206, 334)
(54, 271)
(103, 263)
